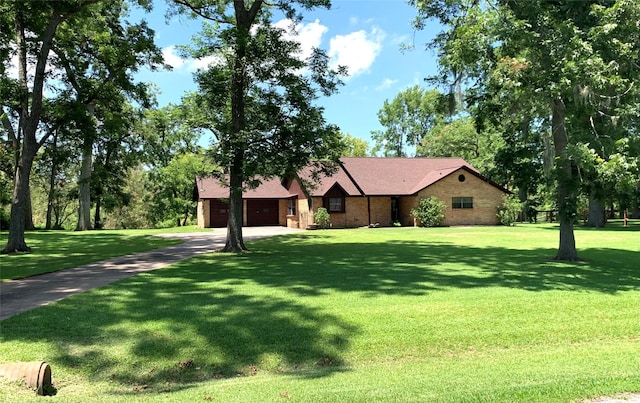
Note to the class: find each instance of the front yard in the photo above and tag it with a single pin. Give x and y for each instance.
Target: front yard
(59, 250)
(476, 314)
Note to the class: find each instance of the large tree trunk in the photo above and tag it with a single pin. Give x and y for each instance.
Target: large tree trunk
(566, 194)
(16, 242)
(28, 215)
(84, 186)
(235, 243)
(97, 219)
(52, 188)
(49, 219)
(522, 196)
(596, 213)
(185, 218)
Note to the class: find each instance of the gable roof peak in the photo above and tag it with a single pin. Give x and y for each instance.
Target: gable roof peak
(395, 175)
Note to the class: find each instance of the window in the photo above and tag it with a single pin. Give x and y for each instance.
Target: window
(291, 208)
(334, 200)
(335, 204)
(461, 202)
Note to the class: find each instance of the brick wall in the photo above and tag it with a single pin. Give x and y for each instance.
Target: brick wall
(380, 210)
(486, 199)
(204, 213)
(356, 213)
(283, 208)
(305, 215)
(405, 205)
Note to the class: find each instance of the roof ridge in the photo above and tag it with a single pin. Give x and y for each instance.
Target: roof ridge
(352, 179)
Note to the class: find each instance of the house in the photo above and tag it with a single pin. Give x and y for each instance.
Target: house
(363, 191)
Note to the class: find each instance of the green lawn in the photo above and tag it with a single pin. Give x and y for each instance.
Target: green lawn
(57, 250)
(393, 315)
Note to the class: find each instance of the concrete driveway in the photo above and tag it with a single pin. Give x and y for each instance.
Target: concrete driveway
(18, 296)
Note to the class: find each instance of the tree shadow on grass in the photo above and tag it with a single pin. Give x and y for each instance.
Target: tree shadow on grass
(58, 250)
(152, 334)
(417, 267)
(221, 315)
(615, 225)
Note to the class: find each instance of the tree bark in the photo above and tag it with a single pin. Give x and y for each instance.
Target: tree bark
(17, 222)
(566, 195)
(84, 186)
(235, 242)
(28, 215)
(596, 213)
(522, 196)
(52, 184)
(97, 219)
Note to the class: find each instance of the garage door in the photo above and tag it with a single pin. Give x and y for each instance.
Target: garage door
(219, 214)
(262, 212)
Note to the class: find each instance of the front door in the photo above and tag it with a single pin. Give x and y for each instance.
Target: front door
(395, 209)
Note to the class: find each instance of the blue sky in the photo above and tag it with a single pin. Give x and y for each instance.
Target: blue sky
(364, 35)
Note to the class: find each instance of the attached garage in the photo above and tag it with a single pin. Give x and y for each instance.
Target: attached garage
(262, 212)
(219, 213)
(266, 205)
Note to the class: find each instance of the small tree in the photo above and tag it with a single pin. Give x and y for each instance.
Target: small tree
(322, 217)
(509, 210)
(430, 212)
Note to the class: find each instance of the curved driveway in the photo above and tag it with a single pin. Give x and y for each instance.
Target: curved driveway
(18, 296)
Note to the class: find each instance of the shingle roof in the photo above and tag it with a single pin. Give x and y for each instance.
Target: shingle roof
(340, 178)
(357, 176)
(212, 188)
(400, 176)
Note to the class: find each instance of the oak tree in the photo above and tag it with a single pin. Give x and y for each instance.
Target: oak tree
(258, 95)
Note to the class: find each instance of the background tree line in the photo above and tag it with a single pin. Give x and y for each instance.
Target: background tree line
(540, 96)
(82, 145)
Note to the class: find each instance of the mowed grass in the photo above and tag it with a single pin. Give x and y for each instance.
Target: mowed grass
(58, 250)
(370, 315)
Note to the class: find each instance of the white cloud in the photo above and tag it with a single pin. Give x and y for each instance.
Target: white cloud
(386, 83)
(308, 35)
(357, 50)
(185, 64)
(171, 58)
(203, 63)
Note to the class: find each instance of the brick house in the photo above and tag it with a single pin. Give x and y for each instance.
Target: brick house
(364, 191)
